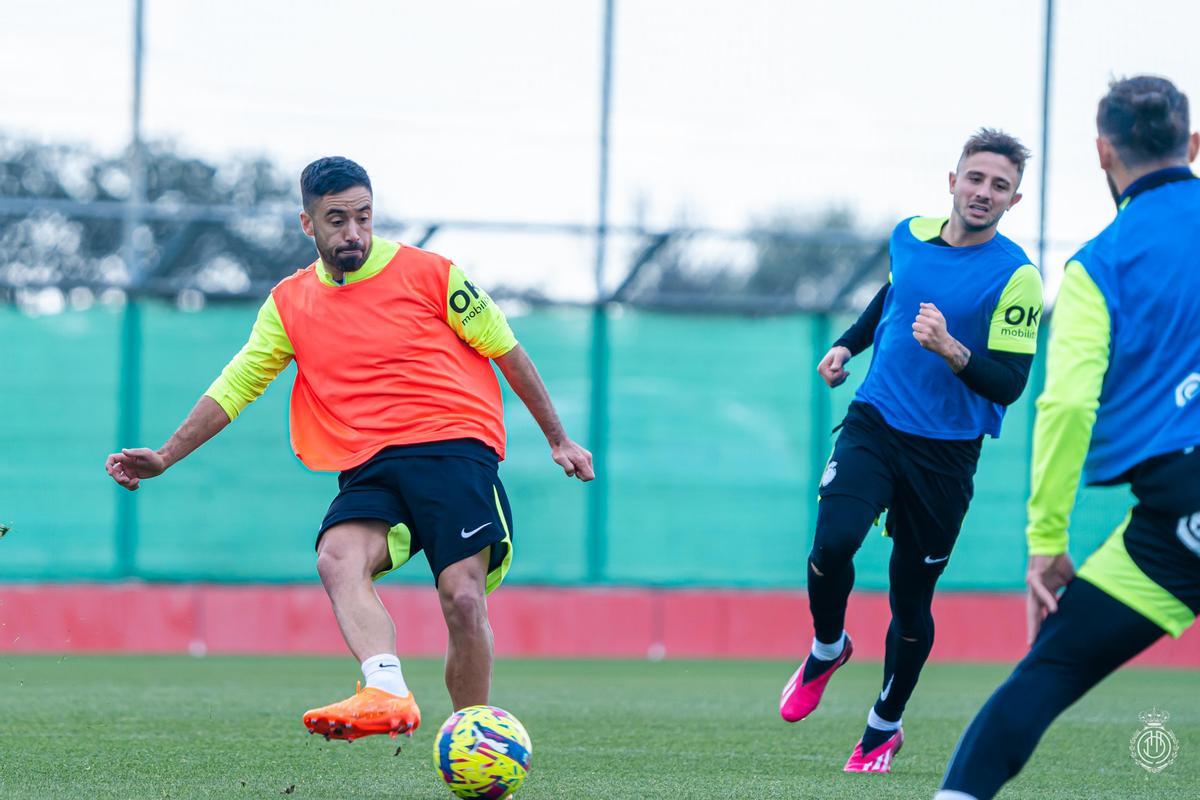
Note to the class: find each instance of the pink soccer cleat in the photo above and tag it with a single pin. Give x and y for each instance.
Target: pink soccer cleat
(879, 759)
(799, 699)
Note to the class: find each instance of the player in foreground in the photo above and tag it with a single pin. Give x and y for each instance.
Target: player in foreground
(1121, 405)
(954, 331)
(395, 390)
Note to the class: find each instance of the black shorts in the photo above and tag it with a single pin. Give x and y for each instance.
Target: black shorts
(1152, 561)
(925, 485)
(443, 497)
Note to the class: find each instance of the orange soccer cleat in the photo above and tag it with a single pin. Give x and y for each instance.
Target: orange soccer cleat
(368, 712)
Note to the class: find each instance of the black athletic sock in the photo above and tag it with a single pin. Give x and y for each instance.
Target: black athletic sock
(815, 667)
(873, 737)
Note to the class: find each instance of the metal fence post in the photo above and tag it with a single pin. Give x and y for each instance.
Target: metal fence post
(130, 383)
(1037, 380)
(597, 502)
(129, 411)
(821, 418)
(597, 499)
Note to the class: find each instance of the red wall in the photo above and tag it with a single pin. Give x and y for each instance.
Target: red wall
(528, 621)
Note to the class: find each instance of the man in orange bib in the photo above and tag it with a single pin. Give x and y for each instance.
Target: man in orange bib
(394, 390)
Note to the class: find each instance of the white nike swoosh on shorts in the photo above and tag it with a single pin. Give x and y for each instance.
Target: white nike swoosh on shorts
(468, 534)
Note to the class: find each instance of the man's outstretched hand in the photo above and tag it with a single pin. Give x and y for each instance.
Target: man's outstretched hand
(130, 466)
(575, 461)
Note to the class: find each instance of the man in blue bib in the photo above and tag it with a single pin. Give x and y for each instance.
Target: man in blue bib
(1121, 405)
(954, 331)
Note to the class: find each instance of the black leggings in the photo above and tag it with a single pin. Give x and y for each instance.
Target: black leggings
(1090, 636)
(842, 524)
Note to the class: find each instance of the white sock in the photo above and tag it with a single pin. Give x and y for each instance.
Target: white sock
(383, 672)
(948, 795)
(828, 652)
(880, 724)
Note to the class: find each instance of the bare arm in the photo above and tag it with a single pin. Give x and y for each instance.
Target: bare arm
(266, 353)
(130, 466)
(524, 379)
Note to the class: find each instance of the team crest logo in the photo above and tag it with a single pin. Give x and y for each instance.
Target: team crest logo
(1187, 389)
(830, 474)
(1154, 748)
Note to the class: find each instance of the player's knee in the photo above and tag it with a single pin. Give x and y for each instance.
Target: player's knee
(913, 620)
(829, 558)
(909, 631)
(842, 525)
(915, 628)
(339, 559)
(463, 605)
(329, 566)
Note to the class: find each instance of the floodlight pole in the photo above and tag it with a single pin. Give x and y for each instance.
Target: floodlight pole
(597, 497)
(1038, 376)
(130, 388)
(1047, 64)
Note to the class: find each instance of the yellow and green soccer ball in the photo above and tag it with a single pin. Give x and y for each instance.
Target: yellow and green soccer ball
(482, 752)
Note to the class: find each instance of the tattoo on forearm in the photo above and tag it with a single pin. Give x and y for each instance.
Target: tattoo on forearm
(958, 356)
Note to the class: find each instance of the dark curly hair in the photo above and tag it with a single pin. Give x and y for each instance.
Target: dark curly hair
(328, 176)
(1146, 119)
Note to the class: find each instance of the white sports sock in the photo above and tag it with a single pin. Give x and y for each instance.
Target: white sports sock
(383, 672)
(828, 652)
(948, 795)
(880, 724)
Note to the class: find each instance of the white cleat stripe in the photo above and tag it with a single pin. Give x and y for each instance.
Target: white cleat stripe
(791, 684)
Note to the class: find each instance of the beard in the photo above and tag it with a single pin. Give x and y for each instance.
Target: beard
(1112, 187)
(345, 259)
(350, 263)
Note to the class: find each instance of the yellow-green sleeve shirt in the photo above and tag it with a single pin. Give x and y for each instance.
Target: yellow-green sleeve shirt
(1014, 326)
(266, 353)
(476, 318)
(1077, 360)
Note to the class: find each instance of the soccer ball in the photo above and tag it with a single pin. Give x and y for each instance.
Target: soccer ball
(482, 752)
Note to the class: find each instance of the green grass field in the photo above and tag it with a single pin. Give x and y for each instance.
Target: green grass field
(178, 727)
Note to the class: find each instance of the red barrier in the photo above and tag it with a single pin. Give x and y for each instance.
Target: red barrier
(528, 621)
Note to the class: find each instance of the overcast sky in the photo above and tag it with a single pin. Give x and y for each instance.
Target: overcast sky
(723, 112)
